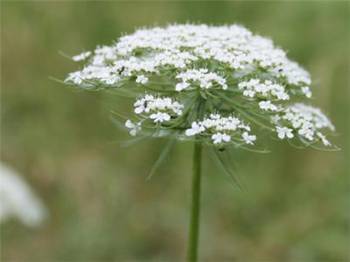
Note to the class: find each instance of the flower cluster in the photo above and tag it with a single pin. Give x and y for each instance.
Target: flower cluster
(263, 89)
(159, 109)
(305, 121)
(88, 76)
(81, 56)
(222, 129)
(148, 51)
(186, 72)
(141, 79)
(204, 79)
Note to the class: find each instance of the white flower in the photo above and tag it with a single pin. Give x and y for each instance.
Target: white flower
(201, 75)
(284, 132)
(111, 80)
(160, 117)
(307, 131)
(149, 103)
(306, 91)
(249, 93)
(194, 130)
(218, 138)
(81, 56)
(75, 77)
(267, 105)
(249, 139)
(140, 106)
(181, 86)
(264, 89)
(275, 119)
(221, 129)
(179, 46)
(204, 78)
(141, 79)
(133, 128)
(323, 139)
(306, 121)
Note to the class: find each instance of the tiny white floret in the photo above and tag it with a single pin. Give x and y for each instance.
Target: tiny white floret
(284, 132)
(248, 139)
(141, 79)
(81, 56)
(267, 105)
(218, 138)
(160, 117)
(133, 128)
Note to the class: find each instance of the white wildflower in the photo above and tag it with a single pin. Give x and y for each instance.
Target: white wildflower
(204, 78)
(195, 129)
(267, 105)
(133, 128)
(248, 139)
(306, 91)
(275, 119)
(266, 89)
(307, 121)
(141, 79)
(221, 129)
(249, 93)
(284, 132)
(179, 46)
(199, 69)
(323, 139)
(160, 109)
(181, 86)
(211, 84)
(81, 56)
(111, 80)
(75, 77)
(150, 103)
(218, 138)
(160, 117)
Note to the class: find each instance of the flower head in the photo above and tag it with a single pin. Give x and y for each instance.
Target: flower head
(215, 83)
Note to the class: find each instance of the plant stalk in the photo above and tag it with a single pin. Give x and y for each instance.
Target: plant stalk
(195, 205)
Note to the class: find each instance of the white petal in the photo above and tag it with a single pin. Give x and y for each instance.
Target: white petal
(129, 124)
(139, 110)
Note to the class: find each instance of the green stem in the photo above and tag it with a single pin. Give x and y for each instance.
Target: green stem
(195, 206)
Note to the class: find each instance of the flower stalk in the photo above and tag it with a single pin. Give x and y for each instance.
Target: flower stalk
(195, 204)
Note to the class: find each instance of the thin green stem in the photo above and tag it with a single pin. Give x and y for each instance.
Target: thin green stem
(195, 206)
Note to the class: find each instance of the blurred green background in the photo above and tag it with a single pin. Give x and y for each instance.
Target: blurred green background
(296, 203)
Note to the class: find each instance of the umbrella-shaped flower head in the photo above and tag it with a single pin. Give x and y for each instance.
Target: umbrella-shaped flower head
(219, 84)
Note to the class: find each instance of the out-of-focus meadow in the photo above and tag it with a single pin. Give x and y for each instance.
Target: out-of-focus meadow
(295, 206)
